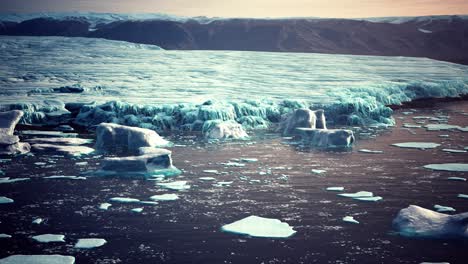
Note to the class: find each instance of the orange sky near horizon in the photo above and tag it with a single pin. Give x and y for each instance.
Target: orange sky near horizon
(248, 8)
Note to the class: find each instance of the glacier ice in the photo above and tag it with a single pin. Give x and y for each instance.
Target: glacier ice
(415, 221)
(165, 197)
(5, 200)
(459, 167)
(48, 238)
(38, 259)
(86, 243)
(418, 145)
(441, 208)
(111, 137)
(350, 219)
(260, 227)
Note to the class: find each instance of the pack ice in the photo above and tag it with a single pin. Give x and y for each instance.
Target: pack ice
(260, 227)
(86, 243)
(38, 259)
(415, 221)
(418, 145)
(459, 167)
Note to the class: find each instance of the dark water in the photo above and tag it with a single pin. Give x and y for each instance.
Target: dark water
(188, 230)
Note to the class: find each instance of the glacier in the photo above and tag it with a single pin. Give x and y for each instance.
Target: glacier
(145, 86)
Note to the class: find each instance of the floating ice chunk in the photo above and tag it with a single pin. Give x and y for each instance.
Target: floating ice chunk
(368, 199)
(441, 208)
(461, 167)
(357, 194)
(38, 259)
(8, 180)
(437, 127)
(47, 133)
(63, 149)
(302, 118)
(219, 129)
(105, 206)
(455, 150)
(48, 238)
(335, 189)
(5, 200)
(370, 151)
(415, 221)
(249, 160)
(211, 171)
(9, 143)
(149, 202)
(207, 178)
(176, 185)
(124, 200)
(165, 197)
(260, 227)
(137, 210)
(411, 125)
(223, 183)
(464, 196)
(86, 243)
(112, 137)
(5, 236)
(327, 138)
(419, 145)
(64, 128)
(316, 171)
(233, 164)
(456, 179)
(65, 177)
(61, 140)
(350, 219)
(434, 263)
(37, 221)
(84, 163)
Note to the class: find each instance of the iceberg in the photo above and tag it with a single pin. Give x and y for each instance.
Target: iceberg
(164, 197)
(260, 227)
(87, 243)
(350, 219)
(418, 145)
(38, 259)
(459, 167)
(415, 221)
(5, 200)
(48, 238)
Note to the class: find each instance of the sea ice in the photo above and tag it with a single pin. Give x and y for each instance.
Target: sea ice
(105, 206)
(464, 196)
(47, 238)
(357, 194)
(419, 145)
(5, 236)
(455, 150)
(219, 129)
(176, 185)
(370, 151)
(165, 197)
(326, 138)
(38, 259)
(137, 210)
(415, 221)
(456, 179)
(65, 177)
(75, 151)
(5, 200)
(317, 171)
(350, 219)
(207, 178)
(441, 208)
(302, 118)
(335, 189)
(8, 180)
(124, 200)
(368, 199)
(460, 167)
(260, 227)
(86, 243)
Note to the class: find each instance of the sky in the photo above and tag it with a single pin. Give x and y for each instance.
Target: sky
(247, 8)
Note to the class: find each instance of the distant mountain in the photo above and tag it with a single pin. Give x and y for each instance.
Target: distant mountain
(437, 37)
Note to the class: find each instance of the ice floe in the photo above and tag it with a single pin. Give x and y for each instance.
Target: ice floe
(455, 150)
(9, 143)
(49, 238)
(415, 221)
(124, 200)
(335, 189)
(165, 197)
(9, 180)
(418, 145)
(65, 177)
(456, 179)
(350, 219)
(260, 227)
(357, 194)
(86, 243)
(5, 236)
(137, 210)
(105, 206)
(38, 259)
(438, 127)
(460, 167)
(5, 200)
(441, 209)
(75, 151)
(176, 185)
(370, 151)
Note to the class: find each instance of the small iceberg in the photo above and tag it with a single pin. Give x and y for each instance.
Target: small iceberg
(370, 151)
(460, 167)
(418, 145)
(260, 227)
(211, 171)
(105, 206)
(335, 189)
(164, 197)
(350, 219)
(176, 185)
(48, 238)
(38, 259)
(223, 183)
(5, 200)
(86, 243)
(124, 200)
(441, 209)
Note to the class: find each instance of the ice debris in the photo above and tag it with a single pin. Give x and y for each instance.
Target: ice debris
(48, 238)
(418, 145)
(415, 221)
(260, 227)
(350, 219)
(165, 197)
(459, 167)
(86, 243)
(38, 259)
